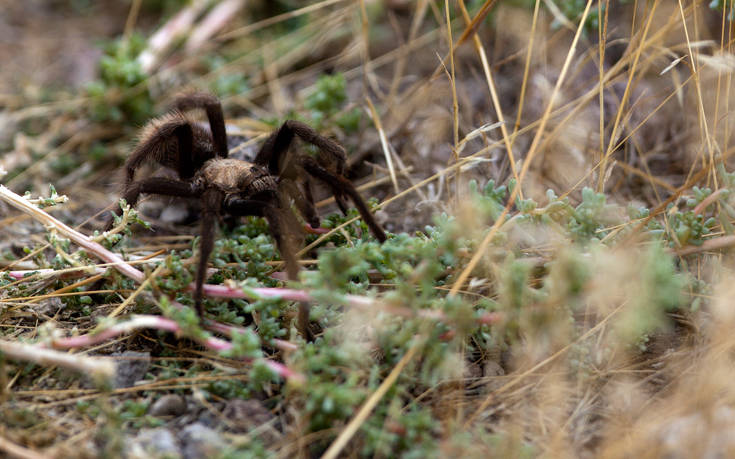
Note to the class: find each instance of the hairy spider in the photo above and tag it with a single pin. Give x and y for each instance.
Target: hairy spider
(236, 188)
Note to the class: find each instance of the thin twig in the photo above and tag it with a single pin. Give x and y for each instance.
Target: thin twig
(369, 405)
(18, 451)
(100, 369)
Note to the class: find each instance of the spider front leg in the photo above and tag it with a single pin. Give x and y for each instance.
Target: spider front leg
(211, 208)
(276, 218)
(154, 185)
(342, 185)
(168, 142)
(277, 145)
(213, 107)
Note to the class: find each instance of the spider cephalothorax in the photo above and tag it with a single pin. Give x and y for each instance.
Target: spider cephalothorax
(234, 187)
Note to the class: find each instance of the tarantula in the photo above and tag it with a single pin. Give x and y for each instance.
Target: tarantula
(236, 188)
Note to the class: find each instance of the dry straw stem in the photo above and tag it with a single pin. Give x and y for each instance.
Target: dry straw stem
(572, 108)
(452, 81)
(529, 158)
(143, 285)
(698, 87)
(383, 143)
(493, 92)
(220, 15)
(100, 369)
(22, 204)
(526, 70)
(250, 28)
(626, 96)
(168, 34)
(365, 410)
(17, 451)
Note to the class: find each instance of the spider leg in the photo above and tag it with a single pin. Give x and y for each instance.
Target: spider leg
(308, 195)
(340, 199)
(211, 206)
(158, 146)
(154, 185)
(344, 186)
(277, 144)
(276, 218)
(306, 206)
(279, 141)
(213, 107)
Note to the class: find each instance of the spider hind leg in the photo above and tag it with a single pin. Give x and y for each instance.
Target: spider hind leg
(278, 143)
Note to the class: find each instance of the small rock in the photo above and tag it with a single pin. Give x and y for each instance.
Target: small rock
(154, 443)
(472, 370)
(131, 367)
(200, 441)
(245, 415)
(49, 307)
(168, 405)
(493, 368)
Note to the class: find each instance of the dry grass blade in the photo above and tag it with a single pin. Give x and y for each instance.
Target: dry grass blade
(17, 451)
(626, 96)
(239, 32)
(362, 414)
(494, 95)
(462, 278)
(143, 285)
(384, 144)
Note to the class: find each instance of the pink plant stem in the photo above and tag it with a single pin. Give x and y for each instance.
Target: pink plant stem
(158, 323)
(317, 230)
(229, 330)
(700, 208)
(18, 275)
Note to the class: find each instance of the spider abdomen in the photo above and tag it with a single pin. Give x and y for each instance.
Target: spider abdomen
(236, 176)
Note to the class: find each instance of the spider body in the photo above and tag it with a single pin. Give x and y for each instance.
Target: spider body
(235, 178)
(266, 187)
